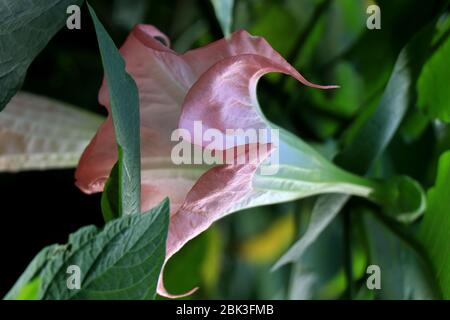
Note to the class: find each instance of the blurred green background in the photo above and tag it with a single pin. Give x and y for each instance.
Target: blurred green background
(328, 42)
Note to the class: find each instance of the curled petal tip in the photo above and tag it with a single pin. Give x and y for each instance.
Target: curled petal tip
(93, 187)
(165, 294)
(333, 86)
(161, 289)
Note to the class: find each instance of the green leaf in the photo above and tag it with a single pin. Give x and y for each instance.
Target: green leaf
(110, 195)
(434, 232)
(377, 130)
(432, 86)
(42, 133)
(224, 13)
(30, 291)
(124, 100)
(122, 261)
(25, 29)
(404, 273)
(389, 41)
(369, 142)
(319, 265)
(273, 24)
(32, 271)
(324, 211)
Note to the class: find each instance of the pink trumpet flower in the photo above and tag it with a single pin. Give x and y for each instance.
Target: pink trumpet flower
(216, 85)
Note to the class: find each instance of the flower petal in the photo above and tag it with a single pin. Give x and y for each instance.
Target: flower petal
(216, 193)
(215, 84)
(239, 43)
(225, 98)
(163, 79)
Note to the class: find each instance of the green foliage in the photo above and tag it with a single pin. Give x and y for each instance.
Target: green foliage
(436, 225)
(30, 291)
(111, 195)
(25, 30)
(369, 141)
(324, 211)
(317, 274)
(122, 261)
(405, 274)
(32, 273)
(125, 185)
(273, 24)
(374, 134)
(432, 87)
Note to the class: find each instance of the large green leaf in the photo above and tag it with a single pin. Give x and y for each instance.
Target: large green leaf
(42, 133)
(32, 272)
(122, 261)
(324, 211)
(319, 265)
(435, 229)
(375, 133)
(404, 272)
(432, 87)
(25, 29)
(371, 138)
(124, 100)
(389, 41)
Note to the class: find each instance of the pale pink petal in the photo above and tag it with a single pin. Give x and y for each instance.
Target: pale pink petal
(211, 198)
(163, 80)
(156, 187)
(239, 43)
(225, 97)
